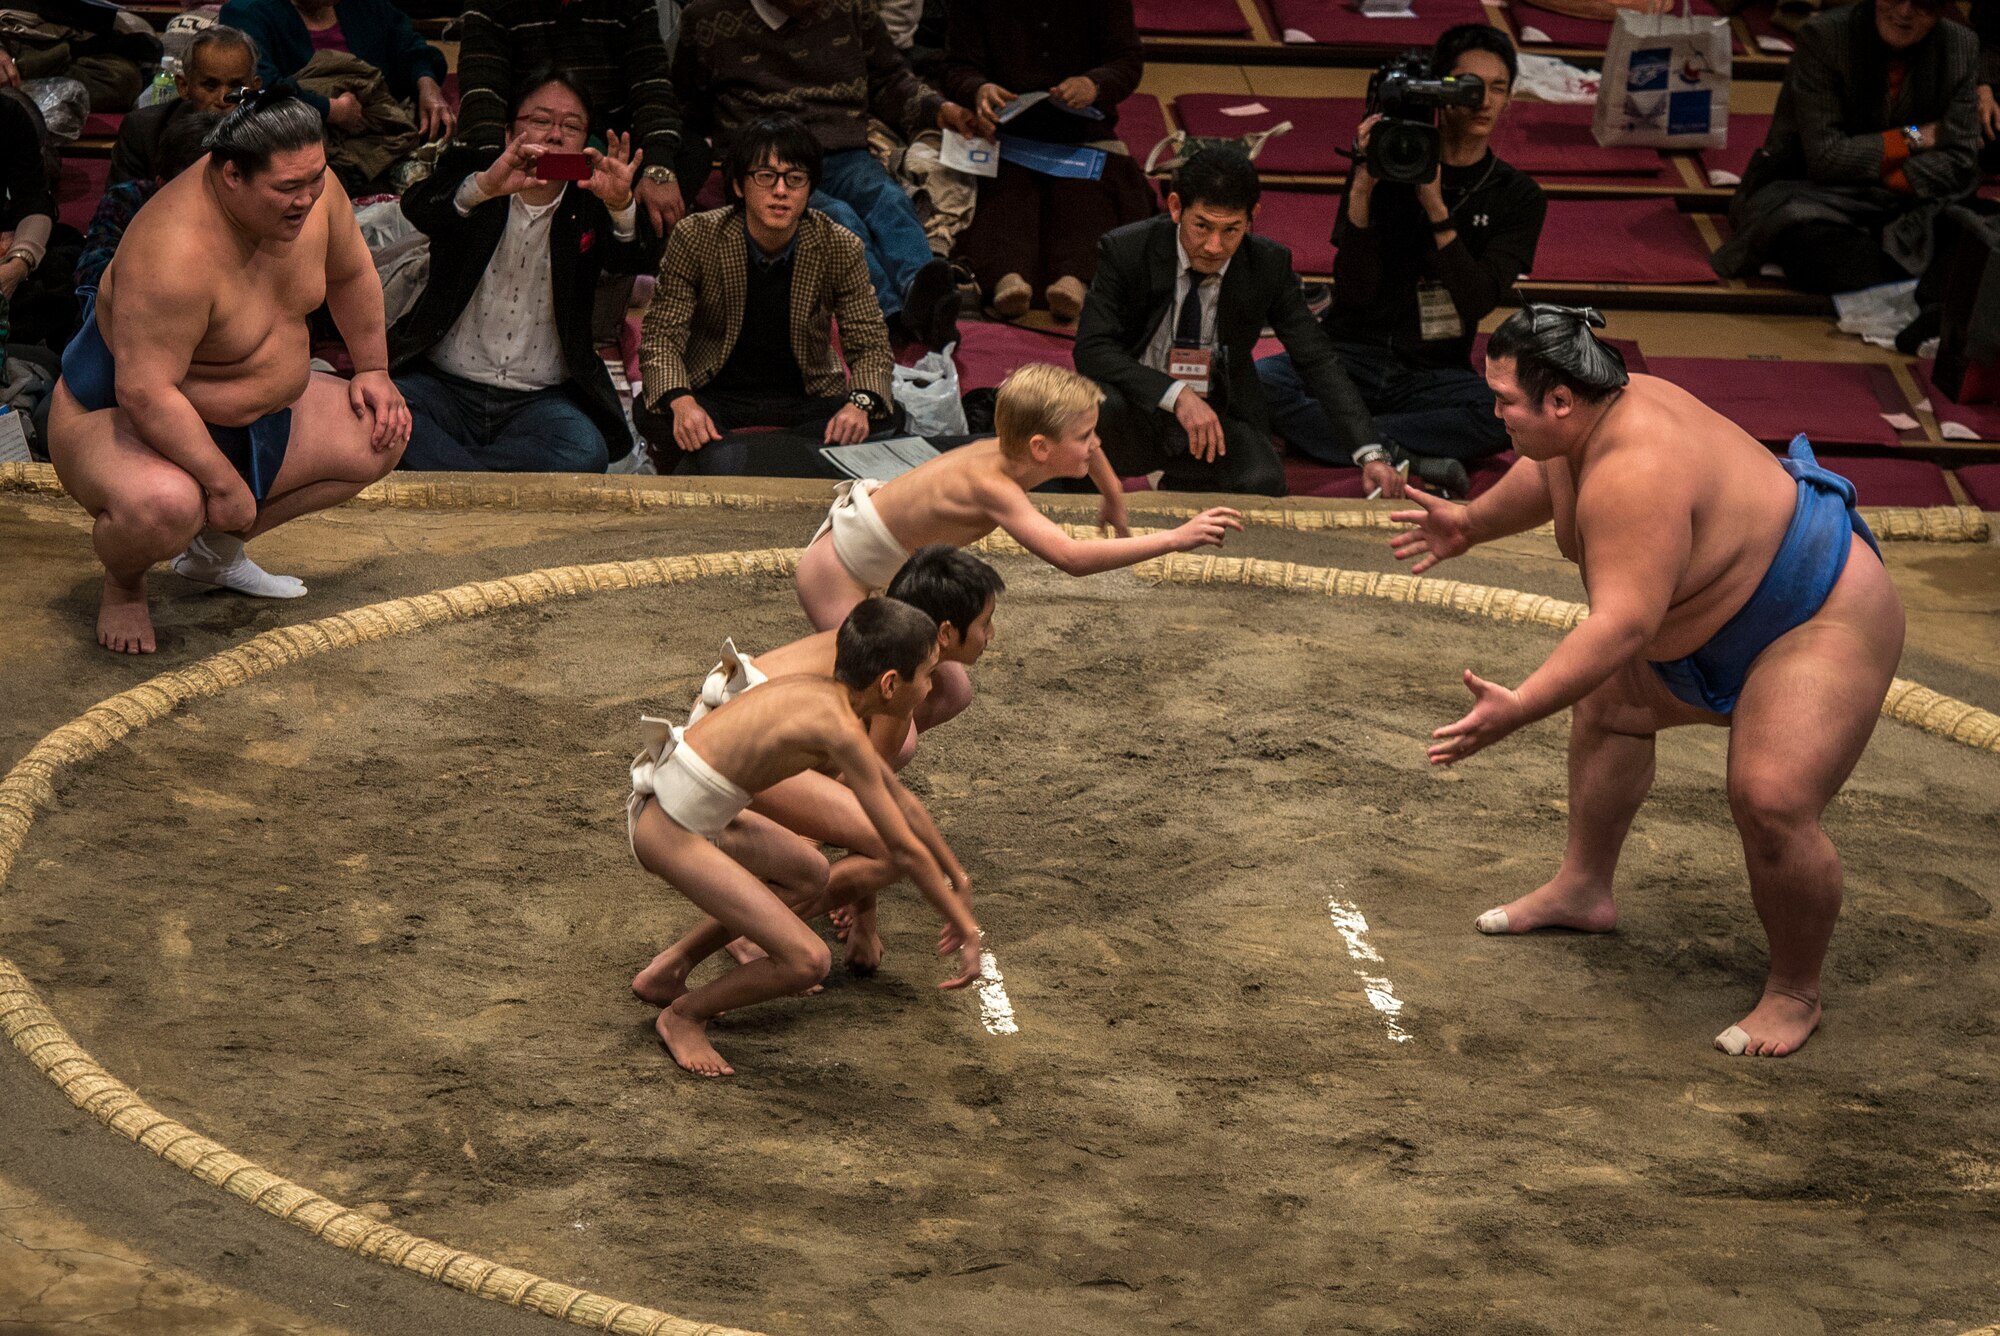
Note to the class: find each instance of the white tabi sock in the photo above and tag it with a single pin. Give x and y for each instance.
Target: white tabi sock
(217, 558)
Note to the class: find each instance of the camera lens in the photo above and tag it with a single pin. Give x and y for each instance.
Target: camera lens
(1403, 151)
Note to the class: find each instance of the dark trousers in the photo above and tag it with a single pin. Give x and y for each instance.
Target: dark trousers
(751, 425)
(1443, 413)
(1142, 438)
(1828, 257)
(1045, 227)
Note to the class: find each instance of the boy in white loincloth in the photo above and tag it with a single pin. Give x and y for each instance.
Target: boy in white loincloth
(689, 795)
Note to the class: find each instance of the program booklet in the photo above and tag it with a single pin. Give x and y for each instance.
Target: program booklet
(881, 460)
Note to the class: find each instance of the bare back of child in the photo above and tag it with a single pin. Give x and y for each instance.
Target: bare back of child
(1046, 418)
(684, 831)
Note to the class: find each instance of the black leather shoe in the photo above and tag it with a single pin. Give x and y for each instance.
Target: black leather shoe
(1447, 477)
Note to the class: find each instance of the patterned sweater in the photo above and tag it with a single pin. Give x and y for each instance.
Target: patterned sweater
(832, 69)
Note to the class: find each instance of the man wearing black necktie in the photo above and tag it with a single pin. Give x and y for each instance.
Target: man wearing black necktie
(1168, 332)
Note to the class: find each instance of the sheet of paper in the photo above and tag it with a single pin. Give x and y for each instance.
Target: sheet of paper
(879, 459)
(1900, 421)
(1077, 162)
(1247, 109)
(1530, 33)
(1019, 105)
(974, 157)
(1957, 431)
(13, 439)
(1774, 45)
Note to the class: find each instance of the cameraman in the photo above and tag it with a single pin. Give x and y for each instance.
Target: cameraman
(1417, 268)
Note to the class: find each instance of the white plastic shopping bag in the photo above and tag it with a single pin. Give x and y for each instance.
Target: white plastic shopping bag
(1666, 82)
(928, 392)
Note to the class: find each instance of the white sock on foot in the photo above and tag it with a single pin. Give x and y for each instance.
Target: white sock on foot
(217, 558)
(1493, 922)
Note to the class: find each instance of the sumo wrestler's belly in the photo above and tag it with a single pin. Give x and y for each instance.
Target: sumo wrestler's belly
(236, 392)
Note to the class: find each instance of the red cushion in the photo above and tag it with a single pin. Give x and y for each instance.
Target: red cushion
(1142, 123)
(1983, 419)
(1982, 483)
(1191, 18)
(80, 188)
(1833, 403)
(1321, 127)
(1553, 138)
(987, 351)
(1893, 482)
(1305, 477)
(1339, 23)
(1302, 221)
(1620, 241)
(102, 124)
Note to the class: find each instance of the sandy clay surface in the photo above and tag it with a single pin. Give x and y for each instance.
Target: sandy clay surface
(370, 921)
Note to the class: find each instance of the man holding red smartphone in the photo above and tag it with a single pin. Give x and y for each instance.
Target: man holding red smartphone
(496, 358)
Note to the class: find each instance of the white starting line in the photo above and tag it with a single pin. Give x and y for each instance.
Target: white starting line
(1352, 926)
(996, 1013)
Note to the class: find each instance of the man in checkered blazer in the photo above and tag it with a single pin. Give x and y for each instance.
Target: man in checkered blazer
(740, 331)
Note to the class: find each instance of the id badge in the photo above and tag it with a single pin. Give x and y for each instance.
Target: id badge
(1437, 318)
(1190, 366)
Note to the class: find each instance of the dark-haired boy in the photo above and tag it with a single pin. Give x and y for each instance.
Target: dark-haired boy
(1724, 589)
(691, 786)
(1417, 267)
(740, 330)
(1169, 328)
(959, 592)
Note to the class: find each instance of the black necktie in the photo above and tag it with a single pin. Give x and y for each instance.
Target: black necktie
(1187, 330)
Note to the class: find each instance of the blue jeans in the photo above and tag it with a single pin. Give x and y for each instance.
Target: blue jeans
(459, 426)
(859, 194)
(1441, 412)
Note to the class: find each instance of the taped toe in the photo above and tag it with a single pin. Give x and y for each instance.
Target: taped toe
(1493, 922)
(1733, 1041)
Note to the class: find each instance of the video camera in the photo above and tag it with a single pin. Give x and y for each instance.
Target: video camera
(1404, 144)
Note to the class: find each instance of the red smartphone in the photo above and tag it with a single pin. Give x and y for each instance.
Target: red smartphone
(562, 167)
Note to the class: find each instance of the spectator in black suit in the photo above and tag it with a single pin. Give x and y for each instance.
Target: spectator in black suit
(1168, 330)
(496, 358)
(219, 61)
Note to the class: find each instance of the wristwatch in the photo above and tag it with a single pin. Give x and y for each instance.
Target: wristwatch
(1368, 454)
(661, 176)
(862, 400)
(1913, 136)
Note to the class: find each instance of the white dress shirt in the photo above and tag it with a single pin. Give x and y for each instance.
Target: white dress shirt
(507, 336)
(1163, 337)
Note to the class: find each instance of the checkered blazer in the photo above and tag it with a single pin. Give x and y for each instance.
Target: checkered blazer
(697, 309)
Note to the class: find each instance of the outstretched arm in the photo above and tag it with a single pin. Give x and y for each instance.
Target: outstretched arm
(1046, 539)
(1519, 502)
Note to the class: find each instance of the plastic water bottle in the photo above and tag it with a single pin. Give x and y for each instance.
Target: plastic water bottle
(163, 88)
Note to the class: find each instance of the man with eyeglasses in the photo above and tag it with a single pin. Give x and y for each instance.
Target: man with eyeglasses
(496, 358)
(739, 334)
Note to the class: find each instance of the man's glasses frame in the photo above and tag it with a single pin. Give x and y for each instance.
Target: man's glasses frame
(767, 178)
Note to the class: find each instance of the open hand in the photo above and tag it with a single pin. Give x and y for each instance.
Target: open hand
(373, 395)
(1496, 712)
(959, 121)
(1204, 428)
(1207, 529)
(992, 100)
(611, 171)
(513, 171)
(1440, 533)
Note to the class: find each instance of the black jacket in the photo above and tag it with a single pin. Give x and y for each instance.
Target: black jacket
(581, 245)
(1134, 290)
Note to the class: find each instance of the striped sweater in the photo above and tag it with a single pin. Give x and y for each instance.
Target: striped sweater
(612, 47)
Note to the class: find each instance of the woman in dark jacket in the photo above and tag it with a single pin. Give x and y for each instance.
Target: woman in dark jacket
(1034, 234)
(1876, 131)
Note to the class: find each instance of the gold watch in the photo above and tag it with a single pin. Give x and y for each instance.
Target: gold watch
(661, 176)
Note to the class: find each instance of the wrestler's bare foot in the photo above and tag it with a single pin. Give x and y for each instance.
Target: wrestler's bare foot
(687, 1043)
(1555, 904)
(124, 626)
(1779, 1024)
(743, 951)
(662, 981)
(864, 945)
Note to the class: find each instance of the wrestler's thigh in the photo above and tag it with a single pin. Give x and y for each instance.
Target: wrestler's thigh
(103, 462)
(820, 807)
(713, 882)
(1635, 701)
(769, 851)
(1812, 699)
(329, 443)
